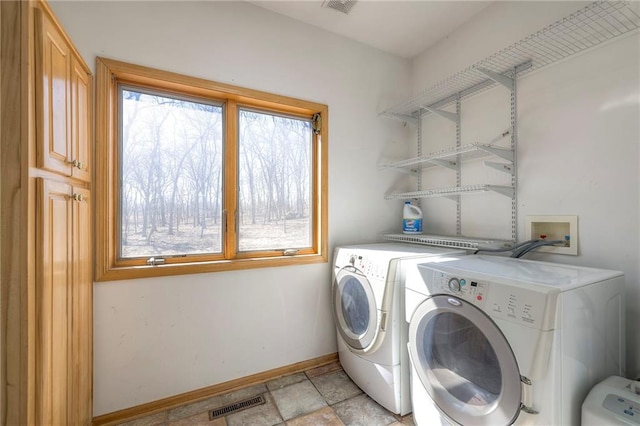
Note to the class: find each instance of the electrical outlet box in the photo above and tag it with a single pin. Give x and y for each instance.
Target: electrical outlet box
(551, 228)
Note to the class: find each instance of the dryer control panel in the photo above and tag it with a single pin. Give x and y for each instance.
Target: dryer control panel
(474, 291)
(511, 303)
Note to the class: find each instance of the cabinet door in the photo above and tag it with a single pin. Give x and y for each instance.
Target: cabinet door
(81, 401)
(53, 296)
(81, 158)
(64, 299)
(53, 70)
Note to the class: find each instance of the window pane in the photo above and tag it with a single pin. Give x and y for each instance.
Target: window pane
(171, 175)
(274, 182)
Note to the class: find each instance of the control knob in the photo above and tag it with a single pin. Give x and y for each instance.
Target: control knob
(454, 285)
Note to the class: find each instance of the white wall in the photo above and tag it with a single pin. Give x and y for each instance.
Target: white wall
(578, 138)
(156, 338)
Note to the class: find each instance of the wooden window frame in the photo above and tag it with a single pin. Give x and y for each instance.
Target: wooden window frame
(109, 74)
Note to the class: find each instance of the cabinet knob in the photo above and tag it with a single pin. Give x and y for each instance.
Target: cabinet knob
(78, 197)
(77, 164)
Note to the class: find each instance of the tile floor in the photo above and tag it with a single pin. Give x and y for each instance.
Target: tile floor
(323, 396)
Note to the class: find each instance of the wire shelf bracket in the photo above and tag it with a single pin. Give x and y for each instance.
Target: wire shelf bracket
(402, 117)
(444, 163)
(501, 167)
(498, 78)
(505, 154)
(446, 114)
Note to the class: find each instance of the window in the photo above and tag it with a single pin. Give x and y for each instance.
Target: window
(197, 176)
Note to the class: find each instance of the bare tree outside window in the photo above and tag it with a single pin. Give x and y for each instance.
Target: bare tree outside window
(274, 178)
(171, 168)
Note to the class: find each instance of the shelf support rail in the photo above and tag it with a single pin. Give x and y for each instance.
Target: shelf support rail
(419, 152)
(458, 166)
(514, 161)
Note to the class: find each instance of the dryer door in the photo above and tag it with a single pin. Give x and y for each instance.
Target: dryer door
(354, 308)
(464, 362)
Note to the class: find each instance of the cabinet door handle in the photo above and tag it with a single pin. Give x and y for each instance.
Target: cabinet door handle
(77, 164)
(78, 197)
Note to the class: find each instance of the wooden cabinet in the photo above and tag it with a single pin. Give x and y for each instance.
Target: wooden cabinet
(64, 277)
(46, 222)
(63, 87)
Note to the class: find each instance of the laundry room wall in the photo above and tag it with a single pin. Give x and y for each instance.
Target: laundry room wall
(160, 337)
(578, 139)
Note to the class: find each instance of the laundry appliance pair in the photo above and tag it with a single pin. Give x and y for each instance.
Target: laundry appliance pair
(368, 307)
(500, 341)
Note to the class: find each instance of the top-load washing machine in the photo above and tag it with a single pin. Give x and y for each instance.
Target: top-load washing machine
(499, 341)
(368, 309)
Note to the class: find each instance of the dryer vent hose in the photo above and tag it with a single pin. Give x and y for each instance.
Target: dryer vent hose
(523, 248)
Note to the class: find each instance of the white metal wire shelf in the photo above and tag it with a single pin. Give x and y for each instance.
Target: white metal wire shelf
(449, 156)
(452, 192)
(596, 23)
(469, 243)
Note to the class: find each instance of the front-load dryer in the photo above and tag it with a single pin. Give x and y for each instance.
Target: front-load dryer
(499, 341)
(368, 309)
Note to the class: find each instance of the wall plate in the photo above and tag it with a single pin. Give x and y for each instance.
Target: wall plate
(555, 228)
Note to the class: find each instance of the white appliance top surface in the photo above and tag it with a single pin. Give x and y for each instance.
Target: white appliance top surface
(553, 275)
(400, 250)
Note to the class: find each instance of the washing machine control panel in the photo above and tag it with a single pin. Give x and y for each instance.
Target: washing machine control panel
(471, 290)
(370, 266)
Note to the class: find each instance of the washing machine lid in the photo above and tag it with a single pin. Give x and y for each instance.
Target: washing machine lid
(554, 276)
(358, 320)
(464, 362)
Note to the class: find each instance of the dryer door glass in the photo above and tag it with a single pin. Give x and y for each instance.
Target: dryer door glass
(354, 309)
(464, 362)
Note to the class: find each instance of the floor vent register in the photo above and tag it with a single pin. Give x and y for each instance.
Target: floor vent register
(235, 407)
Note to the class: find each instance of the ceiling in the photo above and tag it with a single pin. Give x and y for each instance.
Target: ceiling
(403, 28)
